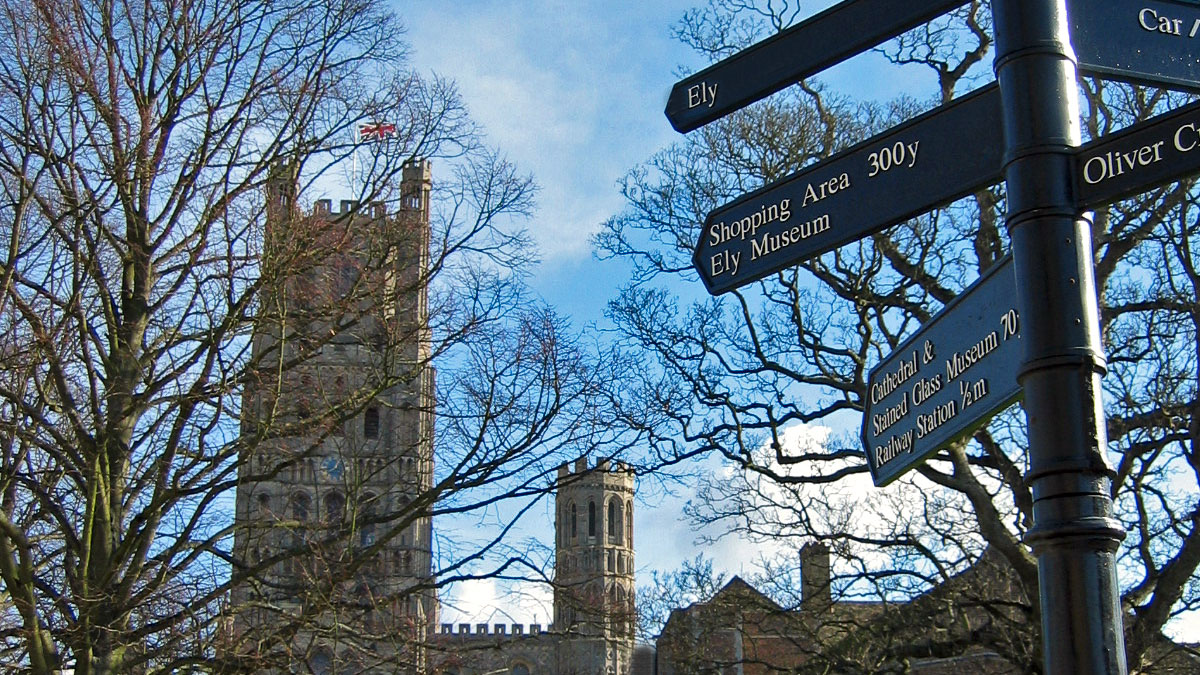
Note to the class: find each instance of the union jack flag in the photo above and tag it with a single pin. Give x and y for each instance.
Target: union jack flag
(375, 130)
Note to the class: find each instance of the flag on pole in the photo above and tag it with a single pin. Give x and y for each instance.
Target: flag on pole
(375, 131)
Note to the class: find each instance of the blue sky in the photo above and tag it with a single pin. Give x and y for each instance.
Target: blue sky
(573, 92)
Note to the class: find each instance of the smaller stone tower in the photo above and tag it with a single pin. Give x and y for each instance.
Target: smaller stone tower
(594, 586)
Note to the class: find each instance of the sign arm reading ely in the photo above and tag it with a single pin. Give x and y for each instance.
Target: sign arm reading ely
(794, 54)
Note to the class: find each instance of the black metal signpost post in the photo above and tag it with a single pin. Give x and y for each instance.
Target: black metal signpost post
(950, 376)
(1074, 534)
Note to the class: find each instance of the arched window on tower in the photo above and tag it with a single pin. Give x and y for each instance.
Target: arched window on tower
(612, 520)
(366, 525)
(336, 426)
(591, 519)
(574, 521)
(335, 508)
(298, 509)
(321, 663)
(371, 422)
(520, 669)
(303, 404)
(347, 277)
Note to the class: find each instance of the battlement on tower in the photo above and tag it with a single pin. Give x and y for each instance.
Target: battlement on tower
(605, 473)
(348, 207)
(494, 631)
(594, 611)
(344, 306)
(417, 178)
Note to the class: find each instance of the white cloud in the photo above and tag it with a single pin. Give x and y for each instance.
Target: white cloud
(495, 601)
(666, 539)
(570, 91)
(851, 505)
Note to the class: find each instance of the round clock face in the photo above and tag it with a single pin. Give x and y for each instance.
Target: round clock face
(332, 466)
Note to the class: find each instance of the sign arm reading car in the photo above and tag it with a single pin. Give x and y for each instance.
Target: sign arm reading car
(1152, 42)
(794, 54)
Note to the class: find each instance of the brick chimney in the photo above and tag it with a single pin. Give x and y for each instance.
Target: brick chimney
(814, 576)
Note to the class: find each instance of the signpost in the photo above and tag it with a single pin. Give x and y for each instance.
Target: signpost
(931, 160)
(946, 380)
(964, 365)
(1074, 533)
(1155, 42)
(794, 54)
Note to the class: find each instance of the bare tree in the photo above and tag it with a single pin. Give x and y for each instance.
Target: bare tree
(755, 373)
(694, 581)
(161, 164)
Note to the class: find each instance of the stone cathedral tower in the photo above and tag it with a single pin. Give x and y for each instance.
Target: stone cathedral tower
(594, 586)
(331, 543)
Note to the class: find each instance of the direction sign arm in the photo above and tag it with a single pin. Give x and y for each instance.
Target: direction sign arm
(903, 172)
(846, 29)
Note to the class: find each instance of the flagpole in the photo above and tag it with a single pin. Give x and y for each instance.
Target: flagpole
(354, 160)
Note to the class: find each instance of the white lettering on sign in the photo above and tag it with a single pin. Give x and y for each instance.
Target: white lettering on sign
(824, 189)
(972, 392)
(960, 362)
(932, 401)
(899, 154)
(770, 243)
(895, 447)
(722, 232)
(1185, 138)
(1152, 21)
(882, 421)
(929, 422)
(699, 94)
(1010, 324)
(892, 381)
(928, 353)
(726, 261)
(1114, 162)
(926, 387)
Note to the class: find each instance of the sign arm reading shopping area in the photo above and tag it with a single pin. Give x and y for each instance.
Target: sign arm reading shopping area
(896, 175)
